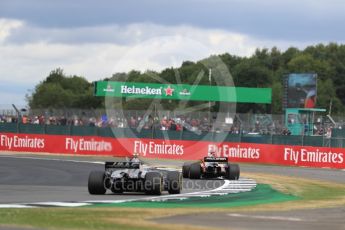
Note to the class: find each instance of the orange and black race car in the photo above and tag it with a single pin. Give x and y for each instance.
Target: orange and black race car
(211, 167)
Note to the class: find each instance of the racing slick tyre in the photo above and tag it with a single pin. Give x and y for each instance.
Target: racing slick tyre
(195, 171)
(153, 183)
(185, 169)
(174, 180)
(233, 172)
(96, 183)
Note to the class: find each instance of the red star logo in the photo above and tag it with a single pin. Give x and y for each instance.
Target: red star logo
(169, 91)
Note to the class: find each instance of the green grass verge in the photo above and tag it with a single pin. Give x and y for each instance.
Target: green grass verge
(66, 218)
(296, 193)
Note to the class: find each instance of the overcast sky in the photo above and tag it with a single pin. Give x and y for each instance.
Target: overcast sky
(95, 39)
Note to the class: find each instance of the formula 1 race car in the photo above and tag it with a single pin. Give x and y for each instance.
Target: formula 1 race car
(133, 176)
(211, 167)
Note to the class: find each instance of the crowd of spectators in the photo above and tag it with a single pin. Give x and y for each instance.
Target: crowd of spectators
(144, 122)
(157, 122)
(8, 119)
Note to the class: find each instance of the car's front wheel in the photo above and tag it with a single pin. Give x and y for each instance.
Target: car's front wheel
(195, 171)
(185, 169)
(233, 172)
(153, 183)
(174, 180)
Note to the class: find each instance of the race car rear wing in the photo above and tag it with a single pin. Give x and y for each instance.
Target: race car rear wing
(122, 165)
(215, 159)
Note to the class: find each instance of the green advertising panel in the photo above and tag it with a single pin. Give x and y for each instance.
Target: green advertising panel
(183, 92)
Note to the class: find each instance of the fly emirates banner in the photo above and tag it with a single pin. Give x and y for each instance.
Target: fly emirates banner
(175, 149)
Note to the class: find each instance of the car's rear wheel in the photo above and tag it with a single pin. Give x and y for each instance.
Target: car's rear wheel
(185, 169)
(195, 171)
(174, 180)
(233, 172)
(96, 183)
(153, 183)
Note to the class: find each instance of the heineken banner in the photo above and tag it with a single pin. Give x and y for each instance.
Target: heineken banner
(183, 92)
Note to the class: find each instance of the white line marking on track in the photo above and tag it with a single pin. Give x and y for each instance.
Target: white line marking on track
(175, 196)
(13, 206)
(281, 218)
(59, 204)
(241, 185)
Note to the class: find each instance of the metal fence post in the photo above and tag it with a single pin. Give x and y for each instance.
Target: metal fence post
(153, 130)
(18, 123)
(302, 140)
(271, 139)
(181, 134)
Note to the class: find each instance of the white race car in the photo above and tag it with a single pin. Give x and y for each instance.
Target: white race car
(133, 176)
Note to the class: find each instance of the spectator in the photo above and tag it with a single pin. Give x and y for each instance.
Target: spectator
(179, 127)
(92, 122)
(41, 120)
(35, 121)
(172, 125)
(286, 131)
(329, 133)
(24, 119)
(63, 121)
(133, 122)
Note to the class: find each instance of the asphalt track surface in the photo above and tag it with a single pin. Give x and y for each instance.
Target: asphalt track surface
(24, 179)
(42, 179)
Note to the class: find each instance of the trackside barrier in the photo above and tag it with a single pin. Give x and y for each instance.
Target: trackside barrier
(291, 155)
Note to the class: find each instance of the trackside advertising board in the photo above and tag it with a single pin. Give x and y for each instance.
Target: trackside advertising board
(175, 149)
(183, 92)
